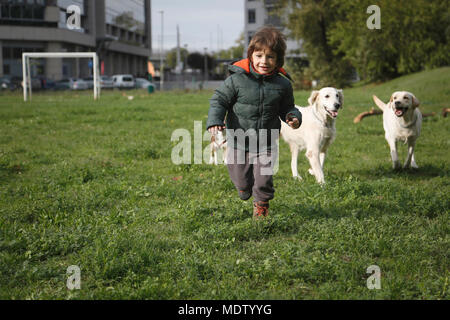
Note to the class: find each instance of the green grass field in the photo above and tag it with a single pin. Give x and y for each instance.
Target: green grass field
(92, 184)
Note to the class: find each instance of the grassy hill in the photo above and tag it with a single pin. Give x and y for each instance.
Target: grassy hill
(92, 184)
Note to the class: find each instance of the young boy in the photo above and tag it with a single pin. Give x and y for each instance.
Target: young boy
(253, 98)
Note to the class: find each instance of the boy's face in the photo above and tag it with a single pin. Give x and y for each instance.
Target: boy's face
(264, 61)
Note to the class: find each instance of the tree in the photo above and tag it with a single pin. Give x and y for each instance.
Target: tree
(414, 35)
(311, 22)
(197, 61)
(172, 57)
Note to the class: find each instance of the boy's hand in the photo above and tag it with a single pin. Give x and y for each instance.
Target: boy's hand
(215, 129)
(293, 122)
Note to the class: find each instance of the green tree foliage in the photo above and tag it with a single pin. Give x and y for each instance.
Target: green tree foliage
(197, 61)
(126, 20)
(172, 57)
(311, 21)
(298, 69)
(235, 52)
(414, 35)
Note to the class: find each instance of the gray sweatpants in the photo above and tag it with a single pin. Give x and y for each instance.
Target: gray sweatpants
(252, 172)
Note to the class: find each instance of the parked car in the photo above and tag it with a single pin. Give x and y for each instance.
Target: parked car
(142, 83)
(78, 84)
(62, 84)
(124, 81)
(46, 83)
(36, 84)
(106, 82)
(72, 84)
(89, 81)
(17, 81)
(7, 84)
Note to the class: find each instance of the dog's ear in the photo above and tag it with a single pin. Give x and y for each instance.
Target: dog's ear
(341, 97)
(415, 101)
(312, 99)
(392, 98)
(391, 102)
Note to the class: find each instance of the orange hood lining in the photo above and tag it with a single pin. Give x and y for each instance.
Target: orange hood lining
(245, 64)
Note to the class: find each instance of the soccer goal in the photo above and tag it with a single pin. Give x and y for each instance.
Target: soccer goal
(26, 56)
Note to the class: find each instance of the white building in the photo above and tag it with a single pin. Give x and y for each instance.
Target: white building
(259, 13)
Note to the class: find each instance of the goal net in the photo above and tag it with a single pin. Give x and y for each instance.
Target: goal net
(26, 56)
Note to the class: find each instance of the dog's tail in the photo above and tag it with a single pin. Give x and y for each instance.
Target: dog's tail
(379, 103)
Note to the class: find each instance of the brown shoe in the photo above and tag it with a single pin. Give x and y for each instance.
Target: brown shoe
(260, 209)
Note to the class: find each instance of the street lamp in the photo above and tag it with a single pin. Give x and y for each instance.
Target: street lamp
(206, 65)
(185, 65)
(185, 56)
(161, 67)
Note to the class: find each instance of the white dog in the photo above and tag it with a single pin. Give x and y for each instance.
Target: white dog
(317, 131)
(218, 142)
(402, 121)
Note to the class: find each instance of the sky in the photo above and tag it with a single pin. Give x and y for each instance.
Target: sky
(203, 24)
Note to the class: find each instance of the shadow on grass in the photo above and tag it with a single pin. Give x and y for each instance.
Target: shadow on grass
(423, 172)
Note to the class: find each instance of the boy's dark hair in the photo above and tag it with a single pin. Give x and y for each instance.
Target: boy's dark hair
(268, 37)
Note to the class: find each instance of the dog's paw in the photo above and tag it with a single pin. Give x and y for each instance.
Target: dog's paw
(297, 178)
(311, 172)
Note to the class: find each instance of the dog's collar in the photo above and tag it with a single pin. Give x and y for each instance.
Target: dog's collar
(223, 142)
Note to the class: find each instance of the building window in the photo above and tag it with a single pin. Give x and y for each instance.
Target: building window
(16, 10)
(251, 15)
(7, 53)
(6, 69)
(17, 53)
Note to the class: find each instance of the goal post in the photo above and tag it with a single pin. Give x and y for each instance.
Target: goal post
(26, 56)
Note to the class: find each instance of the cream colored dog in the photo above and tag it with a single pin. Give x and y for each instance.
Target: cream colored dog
(402, 121)
(218, 142)
(317, 131)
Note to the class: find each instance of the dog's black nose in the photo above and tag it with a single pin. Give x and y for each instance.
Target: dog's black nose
(398, 103)
(337, 105)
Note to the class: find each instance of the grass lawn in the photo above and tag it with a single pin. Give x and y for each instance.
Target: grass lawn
(92, 184)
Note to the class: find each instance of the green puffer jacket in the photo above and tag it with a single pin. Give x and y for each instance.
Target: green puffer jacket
(252, 101)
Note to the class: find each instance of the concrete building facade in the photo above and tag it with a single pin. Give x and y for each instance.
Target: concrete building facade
(119, 31)
(260, 13)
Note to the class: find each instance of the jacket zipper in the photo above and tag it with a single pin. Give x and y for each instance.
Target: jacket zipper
(261, 102)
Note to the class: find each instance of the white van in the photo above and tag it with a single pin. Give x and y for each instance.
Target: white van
(124, 81)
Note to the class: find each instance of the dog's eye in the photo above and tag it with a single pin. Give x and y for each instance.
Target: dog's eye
(327, 96)
(406, 98)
